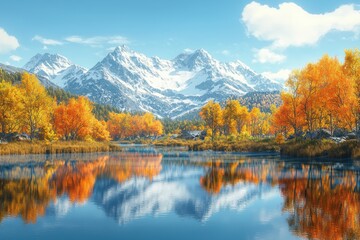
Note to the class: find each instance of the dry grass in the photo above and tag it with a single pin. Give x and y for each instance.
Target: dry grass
(224, 144)
(56, 148)
(321, 148)
(311, 148)
(175, 142)
(348, 149)
(265, 145)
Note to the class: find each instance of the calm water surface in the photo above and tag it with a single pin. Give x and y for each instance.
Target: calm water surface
(146, 193)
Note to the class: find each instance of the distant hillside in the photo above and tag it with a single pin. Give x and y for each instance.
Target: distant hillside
(101, 111)
(262, 100)
(9, 77)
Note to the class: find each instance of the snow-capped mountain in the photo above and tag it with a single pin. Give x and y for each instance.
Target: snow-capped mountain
(11, 69)
(132, 81)
(54, 67)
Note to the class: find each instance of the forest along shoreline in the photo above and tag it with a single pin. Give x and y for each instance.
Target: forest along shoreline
(318, 116)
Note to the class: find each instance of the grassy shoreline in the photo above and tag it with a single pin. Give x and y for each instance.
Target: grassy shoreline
(264, 145)
(39, 147)
(321, 148)
(300, 149)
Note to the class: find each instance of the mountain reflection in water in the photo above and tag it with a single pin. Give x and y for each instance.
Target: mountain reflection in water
(321, 201)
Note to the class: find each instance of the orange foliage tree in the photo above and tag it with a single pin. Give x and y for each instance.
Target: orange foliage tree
(123, 125)
(75, 121)
(321, 95)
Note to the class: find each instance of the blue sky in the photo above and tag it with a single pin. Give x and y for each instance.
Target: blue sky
(269, 36)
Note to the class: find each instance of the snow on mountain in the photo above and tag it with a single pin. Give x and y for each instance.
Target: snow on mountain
(132, 81)
(54, 67)
(11, 69)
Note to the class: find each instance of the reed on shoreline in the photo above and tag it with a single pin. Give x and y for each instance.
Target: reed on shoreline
(40, 147)
(225, 145)
(321, 148)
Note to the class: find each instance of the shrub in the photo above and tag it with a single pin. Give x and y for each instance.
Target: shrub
(280, 139)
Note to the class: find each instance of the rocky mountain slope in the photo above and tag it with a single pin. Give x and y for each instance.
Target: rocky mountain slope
(134, 82)
(17, 72)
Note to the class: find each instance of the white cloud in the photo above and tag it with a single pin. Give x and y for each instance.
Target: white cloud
(188, 50)
(46, 41)
(7, 42)
(265, 55)
(290, 25)
(225, 52)
(98, 41)
(280, 76)
(110, 49)
(15, 58)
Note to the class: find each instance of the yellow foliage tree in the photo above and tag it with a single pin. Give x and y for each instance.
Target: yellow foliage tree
(99, 131)
(11, 107)
(351, 68)
(37, 105)
(254, 124)
(212, 114)
(231, 114)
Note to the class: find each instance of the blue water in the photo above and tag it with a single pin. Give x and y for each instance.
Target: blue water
(149, 193)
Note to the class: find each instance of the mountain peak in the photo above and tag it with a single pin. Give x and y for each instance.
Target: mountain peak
(47, 59)
(202, 51)
(51, 66)
(121, 49)
(194, 60)
(120, 54)
(132, 81)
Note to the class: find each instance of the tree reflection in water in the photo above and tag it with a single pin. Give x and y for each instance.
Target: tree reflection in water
(323, 205)
(28, 196)
(321, 202)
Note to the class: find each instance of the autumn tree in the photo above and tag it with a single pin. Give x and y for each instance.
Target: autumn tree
(309, 88)
(289, 113)
(10, 107)
(235, 117)
(325, 93)
(340, 95)
(99, 131)
(74, 120)
(151, 126)
(254, 122)
(123, 125)
(230, 114)
(321, 95)
(351, 68)
(119, 125)
(37, 105)
(211, 113)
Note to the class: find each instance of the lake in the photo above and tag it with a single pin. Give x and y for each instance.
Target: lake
(169, 193)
